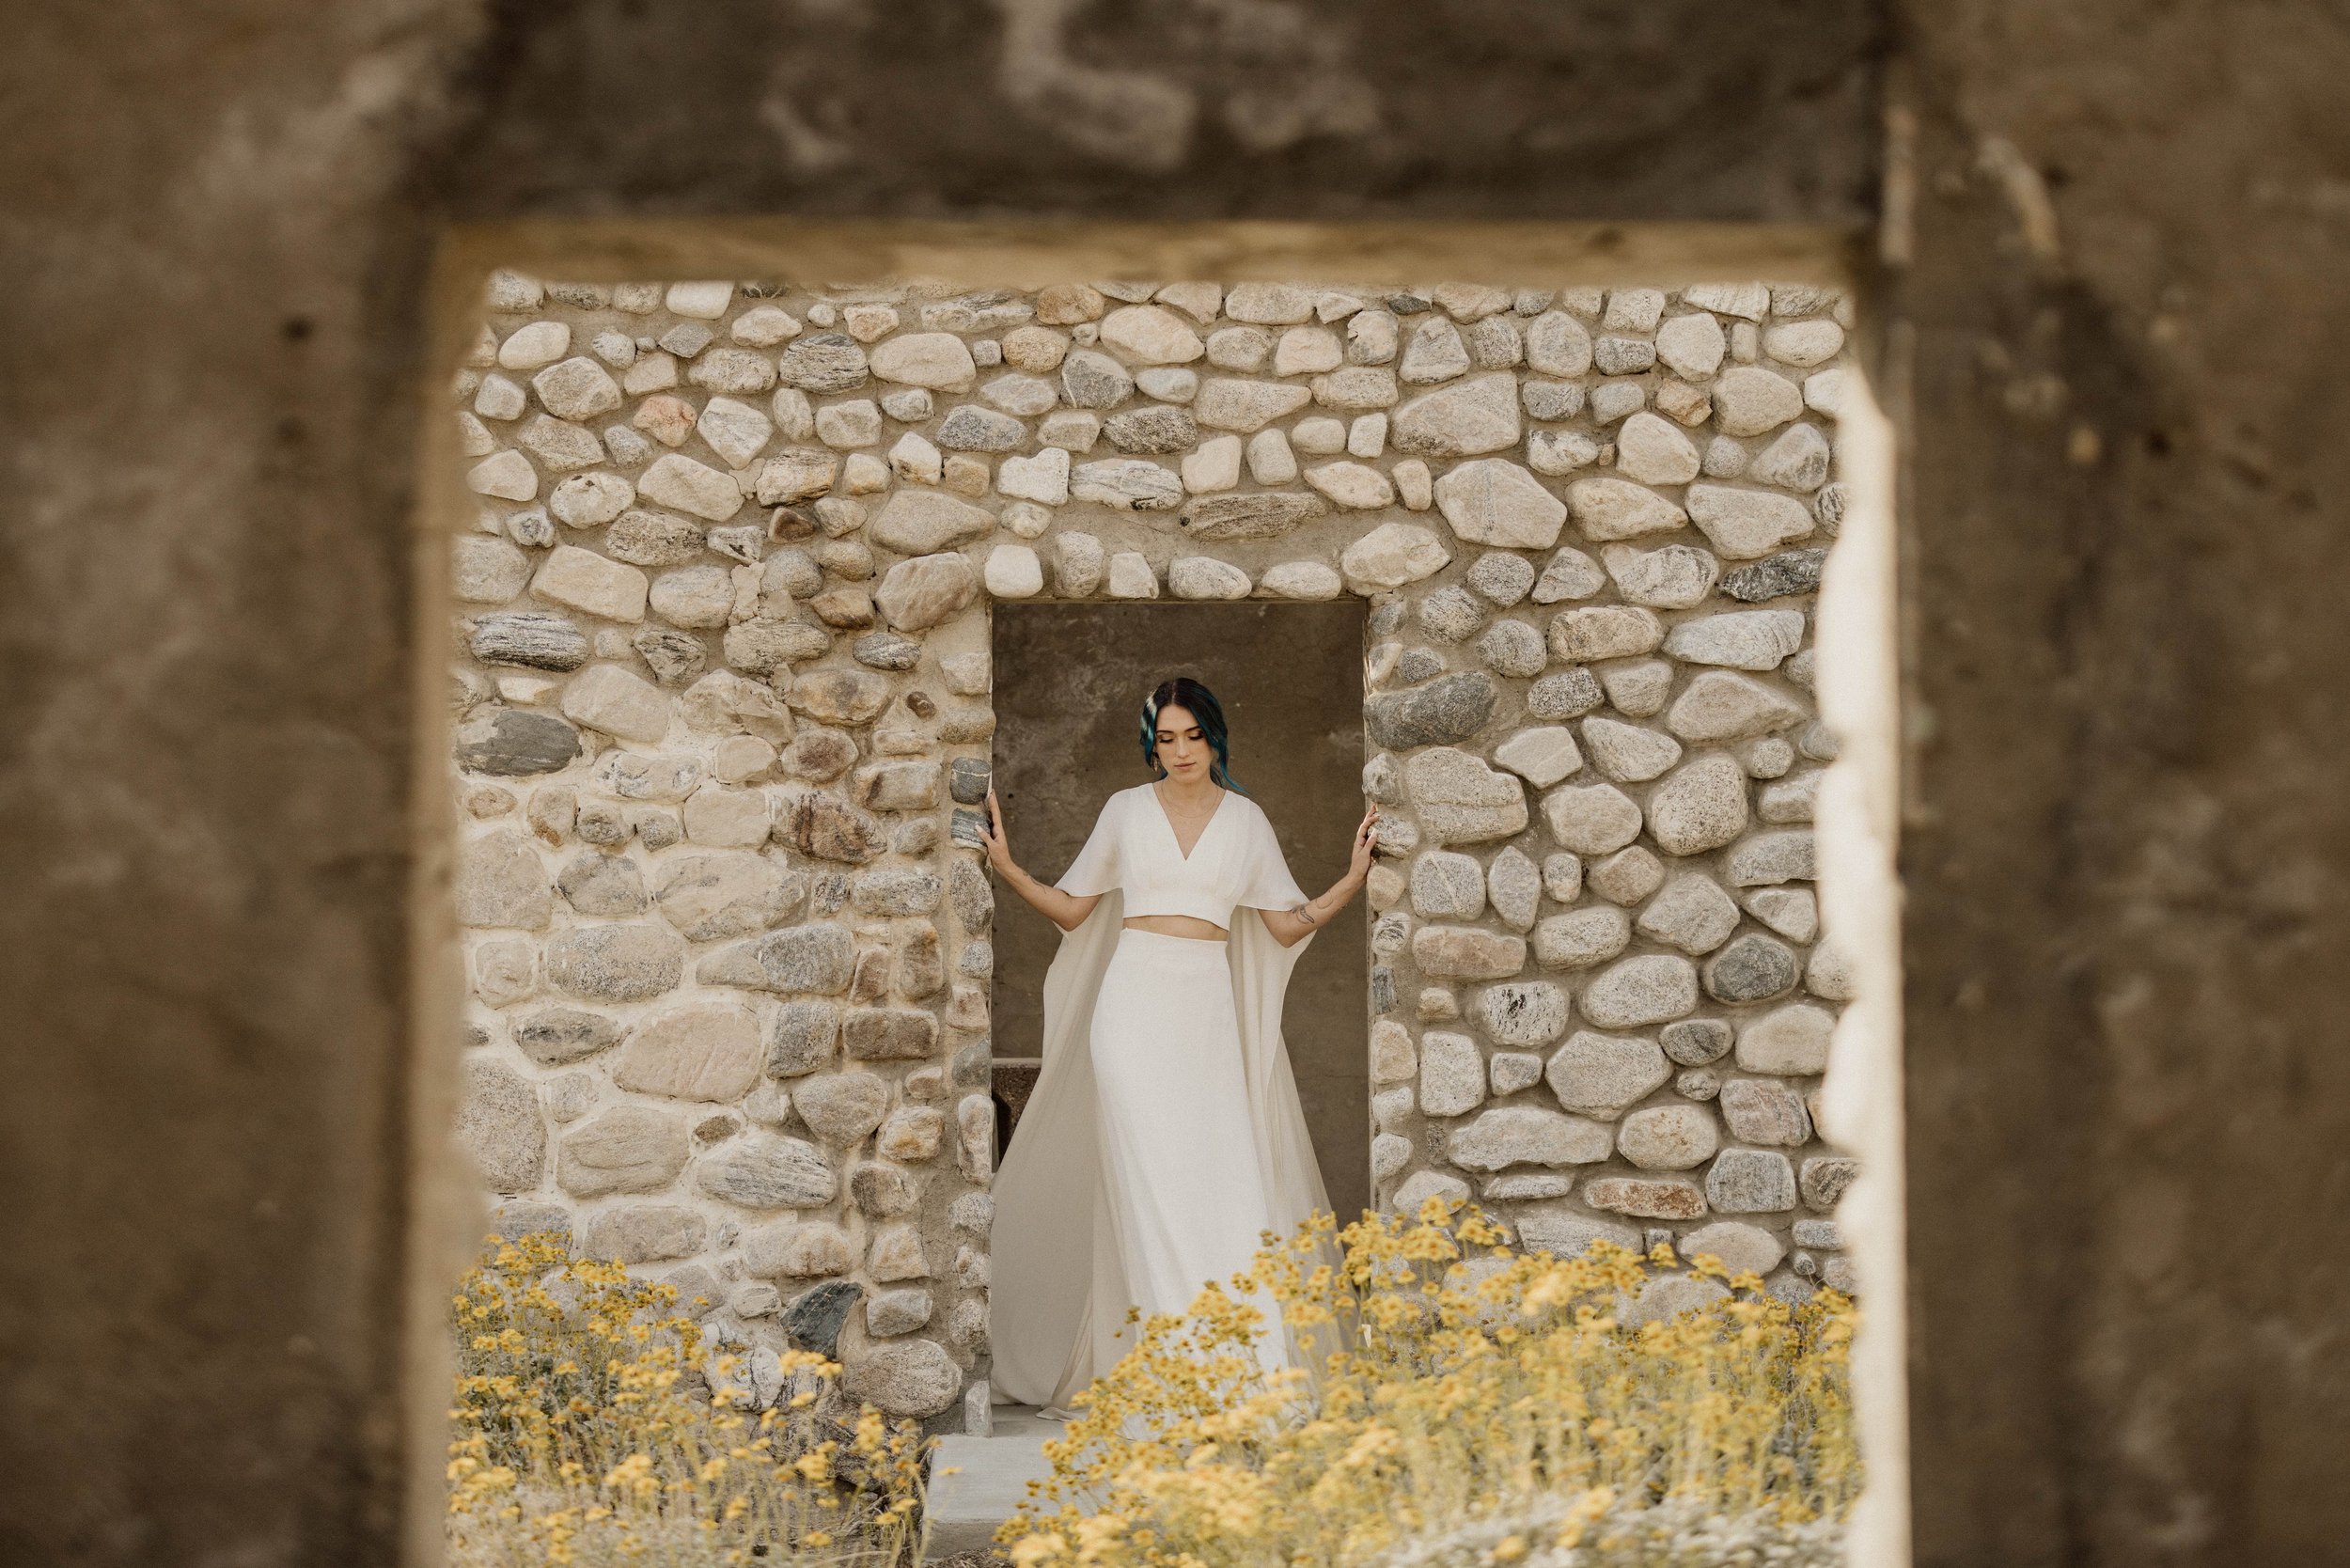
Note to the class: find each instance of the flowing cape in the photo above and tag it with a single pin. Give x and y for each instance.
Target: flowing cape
(1060, 1294)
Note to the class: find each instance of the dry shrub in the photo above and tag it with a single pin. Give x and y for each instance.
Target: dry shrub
(1470, 1408)
(593, 1427)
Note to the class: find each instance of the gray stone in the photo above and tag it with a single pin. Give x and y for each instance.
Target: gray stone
(1525, 1013)
(822, 362)
(1751, 1182)
(1603, 1075)
(1091, 378)
(802, 1038)
(1722, 706)
(1558, 345)
(1527, 1135)
(1645, 1197)
(1675, 578)
(841, 1107)
(644, 1233)
(913, 1378)
(1569, 694)
(1422, 1186)
(1551, 399)
(1743, 640)
(702, 1051)
(1628, 753)
(1653, 988)
(627, 1149)
(1494, 501)
(1512, 1071)
(1447, 886)
(654, 539)
(813, 1321)
(1669, 1138)
(1791, 1041)
(1626, 876)
(1259, 516)
(1610, 508)
(889, 1034)
(709, 897)
(1824, 1179)
(1127, 484)
(1753, 968)
(896, 891)
(1745, 523)
(1460, 799)
(1435, 352)
(1563, 1233)
(920, 521)
(1749, 401)
(1452, 1073)
(530, 640)
(600, 884)
(920, 593)
(1604, 632)
(1701, 806)
(767, 1170)
(498, 1124)
(1692, 914)
(1513, 647)
(1769, 859)
(1243, 406)
(1696, 1041)
(1698, 1083)
(1581, 937)
(554, 1036)
(1465, 952)
(816, 958)
(1767, 1111)
(1450, 614)
(898, 1311)
(512, 743)
(1798, 460)
(674, 657)
(616, 964)
(969, 428)
(500, 884)
(1473, 417)
(1591, 819)
(1792, 912)
(1514, 886)
(513, 1222)
(1741, 1249)
(1637, 690)
(1450, 709)
(1501, 577)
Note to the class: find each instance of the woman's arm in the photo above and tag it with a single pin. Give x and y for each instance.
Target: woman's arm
(1291, 926)
(1065, 910)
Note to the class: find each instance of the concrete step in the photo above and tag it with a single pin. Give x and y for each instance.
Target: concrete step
(990, 1480)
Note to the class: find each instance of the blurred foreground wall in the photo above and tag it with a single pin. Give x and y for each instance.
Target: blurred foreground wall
(2110, 332)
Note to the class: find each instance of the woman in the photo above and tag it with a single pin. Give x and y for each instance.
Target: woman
(1164, 1132)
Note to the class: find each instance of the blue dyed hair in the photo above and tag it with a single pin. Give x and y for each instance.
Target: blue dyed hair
(1184, 692)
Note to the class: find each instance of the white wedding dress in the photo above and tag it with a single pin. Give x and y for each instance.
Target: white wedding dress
(1164, 1132)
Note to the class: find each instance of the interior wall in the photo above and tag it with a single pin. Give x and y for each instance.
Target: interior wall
(1070, 679)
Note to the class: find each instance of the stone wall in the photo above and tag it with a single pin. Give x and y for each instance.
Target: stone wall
(723, 717)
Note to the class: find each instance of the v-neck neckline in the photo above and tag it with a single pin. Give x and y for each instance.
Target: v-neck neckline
(1180, 853)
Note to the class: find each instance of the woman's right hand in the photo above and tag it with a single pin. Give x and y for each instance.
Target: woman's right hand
(998, 851)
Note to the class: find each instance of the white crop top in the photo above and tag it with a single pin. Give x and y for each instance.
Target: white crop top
(1235, 863)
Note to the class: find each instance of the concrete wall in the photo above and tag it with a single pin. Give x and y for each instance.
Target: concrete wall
(2126, 851)
(1069, 686)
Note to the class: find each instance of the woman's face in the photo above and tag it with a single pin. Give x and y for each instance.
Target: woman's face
(1183, 749)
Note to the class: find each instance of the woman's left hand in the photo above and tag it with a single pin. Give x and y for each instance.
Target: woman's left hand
(1366, 845)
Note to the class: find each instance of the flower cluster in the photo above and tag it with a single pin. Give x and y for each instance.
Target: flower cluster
(593, 1426)
(1430, 1399)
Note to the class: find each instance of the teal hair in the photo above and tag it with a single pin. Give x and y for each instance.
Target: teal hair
(1184, 692)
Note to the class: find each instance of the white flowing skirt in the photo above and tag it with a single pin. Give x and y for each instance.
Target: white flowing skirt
(1178, 1148)
(1163, 1139)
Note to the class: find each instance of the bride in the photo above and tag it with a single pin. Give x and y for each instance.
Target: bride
(1165, 1131)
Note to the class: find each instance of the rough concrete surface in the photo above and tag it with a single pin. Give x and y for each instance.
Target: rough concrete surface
(2115, 339)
